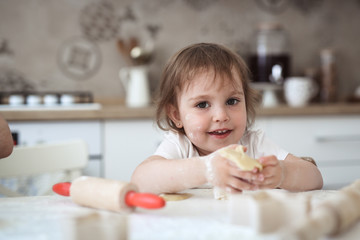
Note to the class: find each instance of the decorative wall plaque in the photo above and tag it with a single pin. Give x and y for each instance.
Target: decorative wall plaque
(79, 58)
(99, 21)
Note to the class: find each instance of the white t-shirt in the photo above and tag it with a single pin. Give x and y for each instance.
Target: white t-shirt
(178, 146)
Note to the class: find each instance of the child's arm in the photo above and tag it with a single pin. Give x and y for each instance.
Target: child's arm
(160, 175)
(293, 174)
(6, 140)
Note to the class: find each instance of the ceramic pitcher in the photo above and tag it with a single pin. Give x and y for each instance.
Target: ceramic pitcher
(135, 81)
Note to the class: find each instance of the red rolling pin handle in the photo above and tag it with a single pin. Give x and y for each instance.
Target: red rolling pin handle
(62, 188)
(132, 199)
(144, 200)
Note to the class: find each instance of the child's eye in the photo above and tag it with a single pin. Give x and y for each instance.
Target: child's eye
(202, 105)
(232, 101)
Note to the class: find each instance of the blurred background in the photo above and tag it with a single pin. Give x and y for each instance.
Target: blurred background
(58, 53)
(62, 45)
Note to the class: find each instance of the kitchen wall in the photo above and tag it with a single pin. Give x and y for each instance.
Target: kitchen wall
(60, 45)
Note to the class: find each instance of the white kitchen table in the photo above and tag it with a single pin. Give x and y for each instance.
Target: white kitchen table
(199, 217)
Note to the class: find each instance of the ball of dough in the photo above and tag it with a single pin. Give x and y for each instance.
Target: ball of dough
(240, 158)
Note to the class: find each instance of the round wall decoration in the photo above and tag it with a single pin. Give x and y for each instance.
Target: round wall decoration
(79, 58)
(99, 22)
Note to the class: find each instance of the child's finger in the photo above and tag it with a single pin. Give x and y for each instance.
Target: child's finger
(268, 160)
(268, 183)
(239, 184)
(247, 176)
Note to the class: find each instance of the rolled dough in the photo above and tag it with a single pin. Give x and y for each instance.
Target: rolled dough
(175, 196)
(240, 158)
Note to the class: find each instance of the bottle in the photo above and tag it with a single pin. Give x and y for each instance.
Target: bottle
(269, 60)
(328, 91)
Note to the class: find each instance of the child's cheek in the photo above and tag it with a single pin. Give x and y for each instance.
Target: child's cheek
(194, 126)
(195, 122)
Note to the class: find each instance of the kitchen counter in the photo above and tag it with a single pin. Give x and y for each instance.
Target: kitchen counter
(77, 113)
(122, 112)
(312, 110)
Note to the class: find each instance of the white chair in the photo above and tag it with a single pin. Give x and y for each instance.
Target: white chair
(28, 161)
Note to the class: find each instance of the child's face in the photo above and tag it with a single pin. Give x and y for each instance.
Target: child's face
(213, 116)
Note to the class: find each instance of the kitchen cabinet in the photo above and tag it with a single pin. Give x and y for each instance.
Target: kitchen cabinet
(333, 141)
(126, 144)
(35, 132)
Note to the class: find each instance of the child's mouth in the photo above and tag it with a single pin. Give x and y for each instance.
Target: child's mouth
(220, 133)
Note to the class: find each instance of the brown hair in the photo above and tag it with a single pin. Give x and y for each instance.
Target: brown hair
(186, 63)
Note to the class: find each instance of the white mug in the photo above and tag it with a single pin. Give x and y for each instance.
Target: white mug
(299, 91)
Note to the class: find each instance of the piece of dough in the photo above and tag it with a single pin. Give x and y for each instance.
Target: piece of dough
(240, 158)
(175, 196)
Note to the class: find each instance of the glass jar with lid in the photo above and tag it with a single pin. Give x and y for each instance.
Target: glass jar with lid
(269, 60)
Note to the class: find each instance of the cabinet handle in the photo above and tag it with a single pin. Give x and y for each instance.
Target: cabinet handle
(338, 138)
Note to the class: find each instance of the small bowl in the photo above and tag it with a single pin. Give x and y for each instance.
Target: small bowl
(67, 99)
(16, 100)
(50, 100)
(33, 100)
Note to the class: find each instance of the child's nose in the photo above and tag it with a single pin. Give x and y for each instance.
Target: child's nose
(220, 115)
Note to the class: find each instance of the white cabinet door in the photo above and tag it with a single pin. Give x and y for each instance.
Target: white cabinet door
(333, 141)
(324, 138)
(127, 144)
(34, 132)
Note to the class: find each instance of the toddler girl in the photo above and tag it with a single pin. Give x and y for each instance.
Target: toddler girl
(205, 103)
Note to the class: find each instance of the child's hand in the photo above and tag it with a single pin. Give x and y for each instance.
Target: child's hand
(223, 173)
(272, 174)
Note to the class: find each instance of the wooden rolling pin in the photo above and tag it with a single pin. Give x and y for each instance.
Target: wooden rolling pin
(107, 194)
